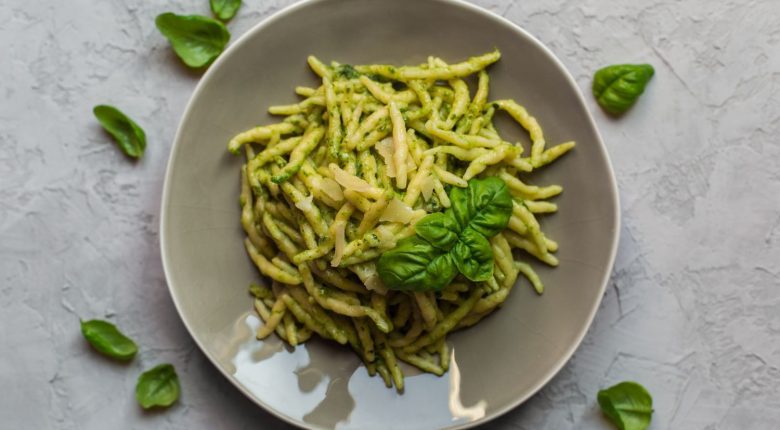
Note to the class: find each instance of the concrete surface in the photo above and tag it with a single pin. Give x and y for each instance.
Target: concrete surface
(692, 310)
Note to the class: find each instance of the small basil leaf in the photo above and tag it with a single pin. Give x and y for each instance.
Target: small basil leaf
(225, 9)
(616, 88)
(416, 265)
(128, 135)
(439, 229)
(485, 206)
(158, 386)
(628, 405)
(473, 256)
(196, 39)
(108, 340)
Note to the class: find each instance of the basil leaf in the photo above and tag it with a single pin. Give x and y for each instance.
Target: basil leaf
(439, 229)
(473, 256)
(128, 135)
(108, 340)
(158, 386)
(196, 39)
(416, 265)
(225, 9)
(628, 405)
(616, 88)
(450, 242)
(485, 205)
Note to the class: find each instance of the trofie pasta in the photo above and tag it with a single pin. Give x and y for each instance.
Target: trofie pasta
(345, 177)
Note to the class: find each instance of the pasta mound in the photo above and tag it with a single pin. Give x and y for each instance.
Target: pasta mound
(345, 176)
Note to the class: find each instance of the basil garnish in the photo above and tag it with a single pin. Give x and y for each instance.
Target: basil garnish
(618, 87)
(450, 242)
(416, 265)
(628, 405)
(128, 135)
(158, 386)
(196, 39)
(108, 340)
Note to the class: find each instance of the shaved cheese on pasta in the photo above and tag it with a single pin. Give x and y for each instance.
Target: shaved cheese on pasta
(385, 232)
(400, 146)
(369, 276)
(332, 189)
(341, 242)
(426, 187)
(398, 211)
(348, 181)
(410, 164)
(385, 149)
(305, 204)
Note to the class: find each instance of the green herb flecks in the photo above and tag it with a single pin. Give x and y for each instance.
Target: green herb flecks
(346, 71)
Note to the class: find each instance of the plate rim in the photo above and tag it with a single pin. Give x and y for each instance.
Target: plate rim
(601, 147)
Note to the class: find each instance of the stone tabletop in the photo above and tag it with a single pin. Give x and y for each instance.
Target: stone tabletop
(692, 310)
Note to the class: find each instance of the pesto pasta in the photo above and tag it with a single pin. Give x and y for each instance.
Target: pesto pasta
(331, 197)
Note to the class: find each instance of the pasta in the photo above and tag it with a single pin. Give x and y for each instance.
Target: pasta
(346, 175)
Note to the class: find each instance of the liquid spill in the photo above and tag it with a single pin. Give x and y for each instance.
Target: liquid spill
(326, 385)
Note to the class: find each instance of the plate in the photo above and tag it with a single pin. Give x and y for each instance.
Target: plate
(499, 363)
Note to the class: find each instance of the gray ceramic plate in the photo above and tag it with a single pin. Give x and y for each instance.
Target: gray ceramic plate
(499, 363)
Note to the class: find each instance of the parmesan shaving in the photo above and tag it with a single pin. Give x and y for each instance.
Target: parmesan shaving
(385, 233)
(350, 182)
(305, 204)
(385, 149)
(398, 211)
(339, 245)
(426, 187)
(400, 146)
(410, 164)
(331, 188)
(369, 276)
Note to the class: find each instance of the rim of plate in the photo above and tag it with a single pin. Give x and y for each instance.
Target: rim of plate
(562, 360)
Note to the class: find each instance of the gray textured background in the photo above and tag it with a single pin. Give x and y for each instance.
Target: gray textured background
(692, 310)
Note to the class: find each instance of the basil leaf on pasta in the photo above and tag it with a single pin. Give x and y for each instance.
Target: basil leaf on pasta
(439, 229)
(473, 256)
(416, 265)
(485, 206)
(457, 237)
